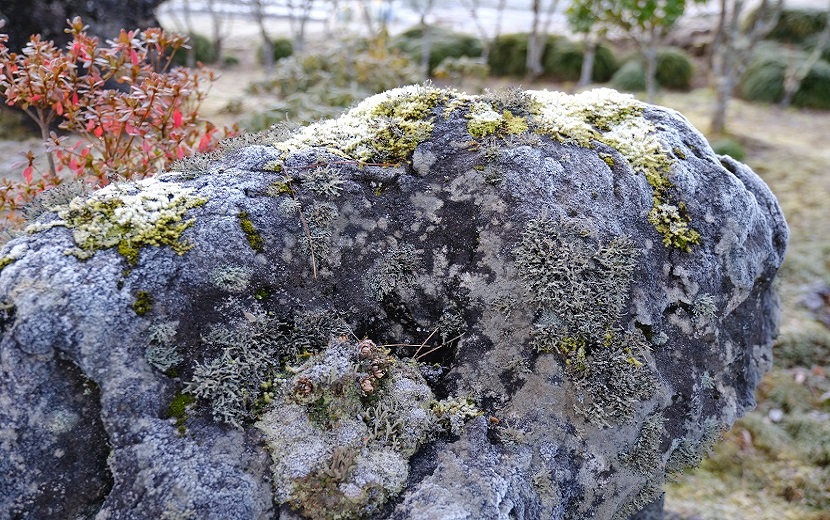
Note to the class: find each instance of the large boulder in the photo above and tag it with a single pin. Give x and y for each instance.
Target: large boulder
(517, 305)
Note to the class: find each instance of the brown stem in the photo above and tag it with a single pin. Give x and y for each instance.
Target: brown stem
(43, 122)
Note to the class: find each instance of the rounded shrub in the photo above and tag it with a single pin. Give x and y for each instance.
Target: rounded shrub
(795, 25)
(764, 78)
(203, 48)
(444, 44)
(809, 44)
(508, 57)
(630, 77)
(281, 48)
(815, 89)
(675, 70)
(563, 61)
(729, 147)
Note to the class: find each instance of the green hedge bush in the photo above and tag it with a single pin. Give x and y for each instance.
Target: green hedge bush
(764, 78)
(563, 61)
(675, 71)
(281, 48)
(201, 45)
(630, 77)
(508, 57)
(795, 25)
(730, 148)
(444, 44)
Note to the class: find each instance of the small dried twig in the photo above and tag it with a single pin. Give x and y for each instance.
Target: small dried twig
(430, 351)
(425, 342)
(307, 234)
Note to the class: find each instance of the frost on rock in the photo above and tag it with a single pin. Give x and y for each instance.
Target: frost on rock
(147, 213)
(568, 297)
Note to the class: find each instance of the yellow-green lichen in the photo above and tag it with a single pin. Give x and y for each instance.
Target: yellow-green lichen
(607, 159)
(178, 410)
(484, 120)
(253, 236)
(6, 261)
(383, 128)
(671, 221)
(143, 303)
(128, 217)
(615, 119)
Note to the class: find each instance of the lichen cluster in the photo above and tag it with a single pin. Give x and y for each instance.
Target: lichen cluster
(615, 119)
(342, 429)
(128, 217)
(384, 128)
(250, 354)
(579, 286)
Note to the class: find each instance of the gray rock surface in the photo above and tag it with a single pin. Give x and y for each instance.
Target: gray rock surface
(439, 306)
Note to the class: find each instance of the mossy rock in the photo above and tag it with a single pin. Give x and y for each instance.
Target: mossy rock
(533, 269)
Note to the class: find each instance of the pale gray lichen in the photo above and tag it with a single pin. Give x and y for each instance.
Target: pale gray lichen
(323, 181)
(230, 278)
(644, 456)
(161, 352)
(341, 446)
(251, 353)
(704, 308)
(580, 285)
(393, 270)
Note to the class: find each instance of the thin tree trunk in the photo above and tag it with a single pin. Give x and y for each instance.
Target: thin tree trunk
(586, 74)
(538, 38)
(426, 47)
(725, 80)
(651, 65)
(267, 43)
(191, 52)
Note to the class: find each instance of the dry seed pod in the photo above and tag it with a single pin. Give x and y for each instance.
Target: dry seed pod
(367, 384)
(366, 349)
(377, 370)
(303, 387)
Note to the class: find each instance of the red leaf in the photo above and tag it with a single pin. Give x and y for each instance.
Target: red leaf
(75, 98)
(177, 118)
(204, 143)
(35, 98)
(27, 174)
(133, 57)
(59, 108)
(99, 131)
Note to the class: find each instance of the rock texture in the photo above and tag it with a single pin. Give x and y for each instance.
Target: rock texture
(518, 305)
